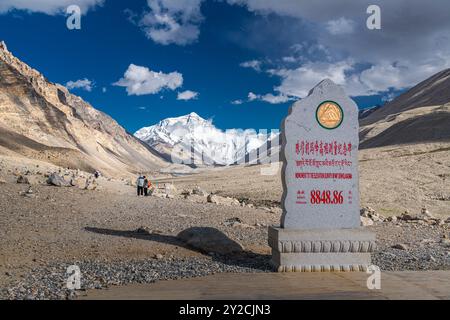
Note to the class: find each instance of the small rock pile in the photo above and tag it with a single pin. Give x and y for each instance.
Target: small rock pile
(369, 216)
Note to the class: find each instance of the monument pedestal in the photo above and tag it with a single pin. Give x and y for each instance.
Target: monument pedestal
(321, 250)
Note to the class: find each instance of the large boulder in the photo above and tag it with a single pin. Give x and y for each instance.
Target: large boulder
(206, 239)
(227, 201)
(57, 181)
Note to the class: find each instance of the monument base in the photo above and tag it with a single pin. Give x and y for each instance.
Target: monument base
(321, 250)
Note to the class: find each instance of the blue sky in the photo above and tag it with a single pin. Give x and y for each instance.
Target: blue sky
(242, 62)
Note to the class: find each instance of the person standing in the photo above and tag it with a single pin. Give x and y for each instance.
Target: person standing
(140, 186)
(145, 186)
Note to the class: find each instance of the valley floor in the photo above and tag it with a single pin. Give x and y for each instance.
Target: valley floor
(117, 238)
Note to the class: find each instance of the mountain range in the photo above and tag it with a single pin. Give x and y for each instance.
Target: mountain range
(197, 142)
(44, 121)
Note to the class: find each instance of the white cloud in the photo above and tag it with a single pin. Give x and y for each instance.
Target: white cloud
(252, 96)
(141, 80)
(104, 90)
(237, 102)
(50, 7)
(341, 26)
(187, 95)
(298, 82)
(289, 59)
(83, 84)
(253, 64)
(173, 21)
(398, 56)
(374, 80)
(269, 97)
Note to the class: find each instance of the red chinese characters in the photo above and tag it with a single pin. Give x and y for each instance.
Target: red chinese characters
(321, 148)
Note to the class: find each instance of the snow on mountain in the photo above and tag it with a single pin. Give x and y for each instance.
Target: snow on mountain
(198, 136)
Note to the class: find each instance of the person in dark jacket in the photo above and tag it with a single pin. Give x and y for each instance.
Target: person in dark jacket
(145, 186)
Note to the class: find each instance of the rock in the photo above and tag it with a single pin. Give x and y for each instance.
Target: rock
(207, 239)
(232, 221)
(431, 258)
(23, 180)
(392, 219)
(400, 246)
(2, 181)
(91, 185)
(367, 212)
(80, 183)
(445, 243)
(169, 188)
(410, 217)
(158, 256)
(448, 220)
(57, 181)
(426, 213)
(199, 191)
(365, 222)
(170, 196)
(143, 230)
(227, 201)
(212, 198)
(186, 193)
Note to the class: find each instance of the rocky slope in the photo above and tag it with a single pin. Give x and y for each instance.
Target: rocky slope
(434, 91)
(420, 115)
(44, 121)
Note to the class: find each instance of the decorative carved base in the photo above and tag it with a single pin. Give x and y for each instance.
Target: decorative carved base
(339, 250)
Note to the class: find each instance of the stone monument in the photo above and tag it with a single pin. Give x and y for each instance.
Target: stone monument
(320, 225)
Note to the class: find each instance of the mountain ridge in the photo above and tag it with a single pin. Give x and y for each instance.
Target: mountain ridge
(433, 91)
(34, 108)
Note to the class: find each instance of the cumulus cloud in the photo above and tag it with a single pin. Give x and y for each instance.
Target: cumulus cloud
(252, 64)
(187, 95)
(50, 7)
(237, 102)
(269, 97)
(368, 62)
(83, 84)
(140, 80)
(375, 80)
(172, 21)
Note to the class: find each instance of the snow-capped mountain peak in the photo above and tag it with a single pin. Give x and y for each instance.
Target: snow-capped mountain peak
(209, 143)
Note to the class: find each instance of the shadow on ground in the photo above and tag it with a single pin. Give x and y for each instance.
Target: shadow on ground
(240, 258)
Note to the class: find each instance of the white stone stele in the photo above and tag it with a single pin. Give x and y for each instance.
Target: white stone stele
(324, 237)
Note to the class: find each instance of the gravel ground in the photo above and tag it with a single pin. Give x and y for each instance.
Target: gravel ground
(50, 282)
(44, 233)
